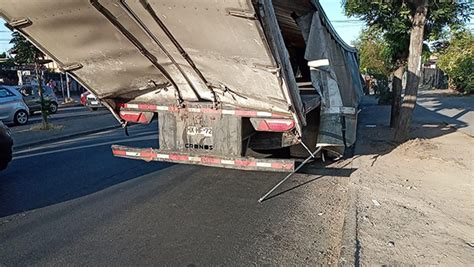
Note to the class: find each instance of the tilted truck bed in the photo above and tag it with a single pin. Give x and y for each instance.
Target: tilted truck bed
(264, 74)
(139, 50)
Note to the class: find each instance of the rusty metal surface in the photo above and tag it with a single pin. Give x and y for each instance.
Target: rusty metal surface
(201, 133)
(124, 52)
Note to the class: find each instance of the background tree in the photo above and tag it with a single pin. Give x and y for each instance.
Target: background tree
(24, 51)
(457, 61)
(375, 61)
(6, 61)
(405, 25)
(374, 53)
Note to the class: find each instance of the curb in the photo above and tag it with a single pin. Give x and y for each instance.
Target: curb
(70, 105)
(68, 118)
(64, 137)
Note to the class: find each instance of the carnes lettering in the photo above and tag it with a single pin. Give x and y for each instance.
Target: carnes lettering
(196, 146)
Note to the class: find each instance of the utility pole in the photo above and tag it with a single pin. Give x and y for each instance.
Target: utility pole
(62, 84)
(68, 80)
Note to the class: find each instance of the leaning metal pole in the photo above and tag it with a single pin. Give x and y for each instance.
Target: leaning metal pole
(312, 156)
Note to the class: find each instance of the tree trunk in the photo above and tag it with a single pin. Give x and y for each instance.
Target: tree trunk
(396, 95)
(44, 114)
(414, 70)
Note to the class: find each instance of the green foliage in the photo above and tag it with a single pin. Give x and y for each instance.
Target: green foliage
(457, 61)
(393, 19)
(375, 60)
(24, 51)
(6, 61)
(374, 53)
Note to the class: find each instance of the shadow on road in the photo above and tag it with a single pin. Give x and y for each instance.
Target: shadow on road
(318, 170)
(376, 137)
(39, 181)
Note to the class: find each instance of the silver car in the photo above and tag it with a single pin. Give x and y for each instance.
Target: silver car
(31, 97)
(12, 106)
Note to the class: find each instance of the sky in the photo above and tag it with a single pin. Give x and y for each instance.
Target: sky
(5, 36)
(347, 28)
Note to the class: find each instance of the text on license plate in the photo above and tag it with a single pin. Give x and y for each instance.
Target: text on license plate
(194, 130)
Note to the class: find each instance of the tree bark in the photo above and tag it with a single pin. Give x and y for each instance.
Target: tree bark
(396, 96)
(414, 70)
(44, 115)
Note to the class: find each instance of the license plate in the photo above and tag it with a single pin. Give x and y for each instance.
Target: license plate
(94, 102)
(204, 131)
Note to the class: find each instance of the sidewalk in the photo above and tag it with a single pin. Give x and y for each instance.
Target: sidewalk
(63, 128)
(412, 204)
(76, 100)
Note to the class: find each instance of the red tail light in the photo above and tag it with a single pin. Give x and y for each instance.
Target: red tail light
(136, 117)
(273, 125)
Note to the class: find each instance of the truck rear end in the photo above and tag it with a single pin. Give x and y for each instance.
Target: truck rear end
(224, 78)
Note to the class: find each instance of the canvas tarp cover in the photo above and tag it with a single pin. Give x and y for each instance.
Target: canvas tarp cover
(335, 75)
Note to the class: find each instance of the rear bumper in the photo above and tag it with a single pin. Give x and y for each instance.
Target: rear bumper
(93, 104)
(150, 154)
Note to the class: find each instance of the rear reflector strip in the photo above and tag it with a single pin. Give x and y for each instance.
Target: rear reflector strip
(237, 112)
(149, 154)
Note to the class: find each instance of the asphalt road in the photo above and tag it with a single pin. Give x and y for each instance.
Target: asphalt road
(68, 112)
(73, 203)
(457, 111)
(63, 113)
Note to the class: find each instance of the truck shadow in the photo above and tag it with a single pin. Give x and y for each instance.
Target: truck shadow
(318, 170)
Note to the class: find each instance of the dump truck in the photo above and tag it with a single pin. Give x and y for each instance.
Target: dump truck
(245, 84)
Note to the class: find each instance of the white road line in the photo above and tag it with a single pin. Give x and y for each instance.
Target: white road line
(83, 138)
(85, 146)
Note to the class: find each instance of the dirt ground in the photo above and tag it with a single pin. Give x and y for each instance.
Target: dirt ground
(411, 204)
